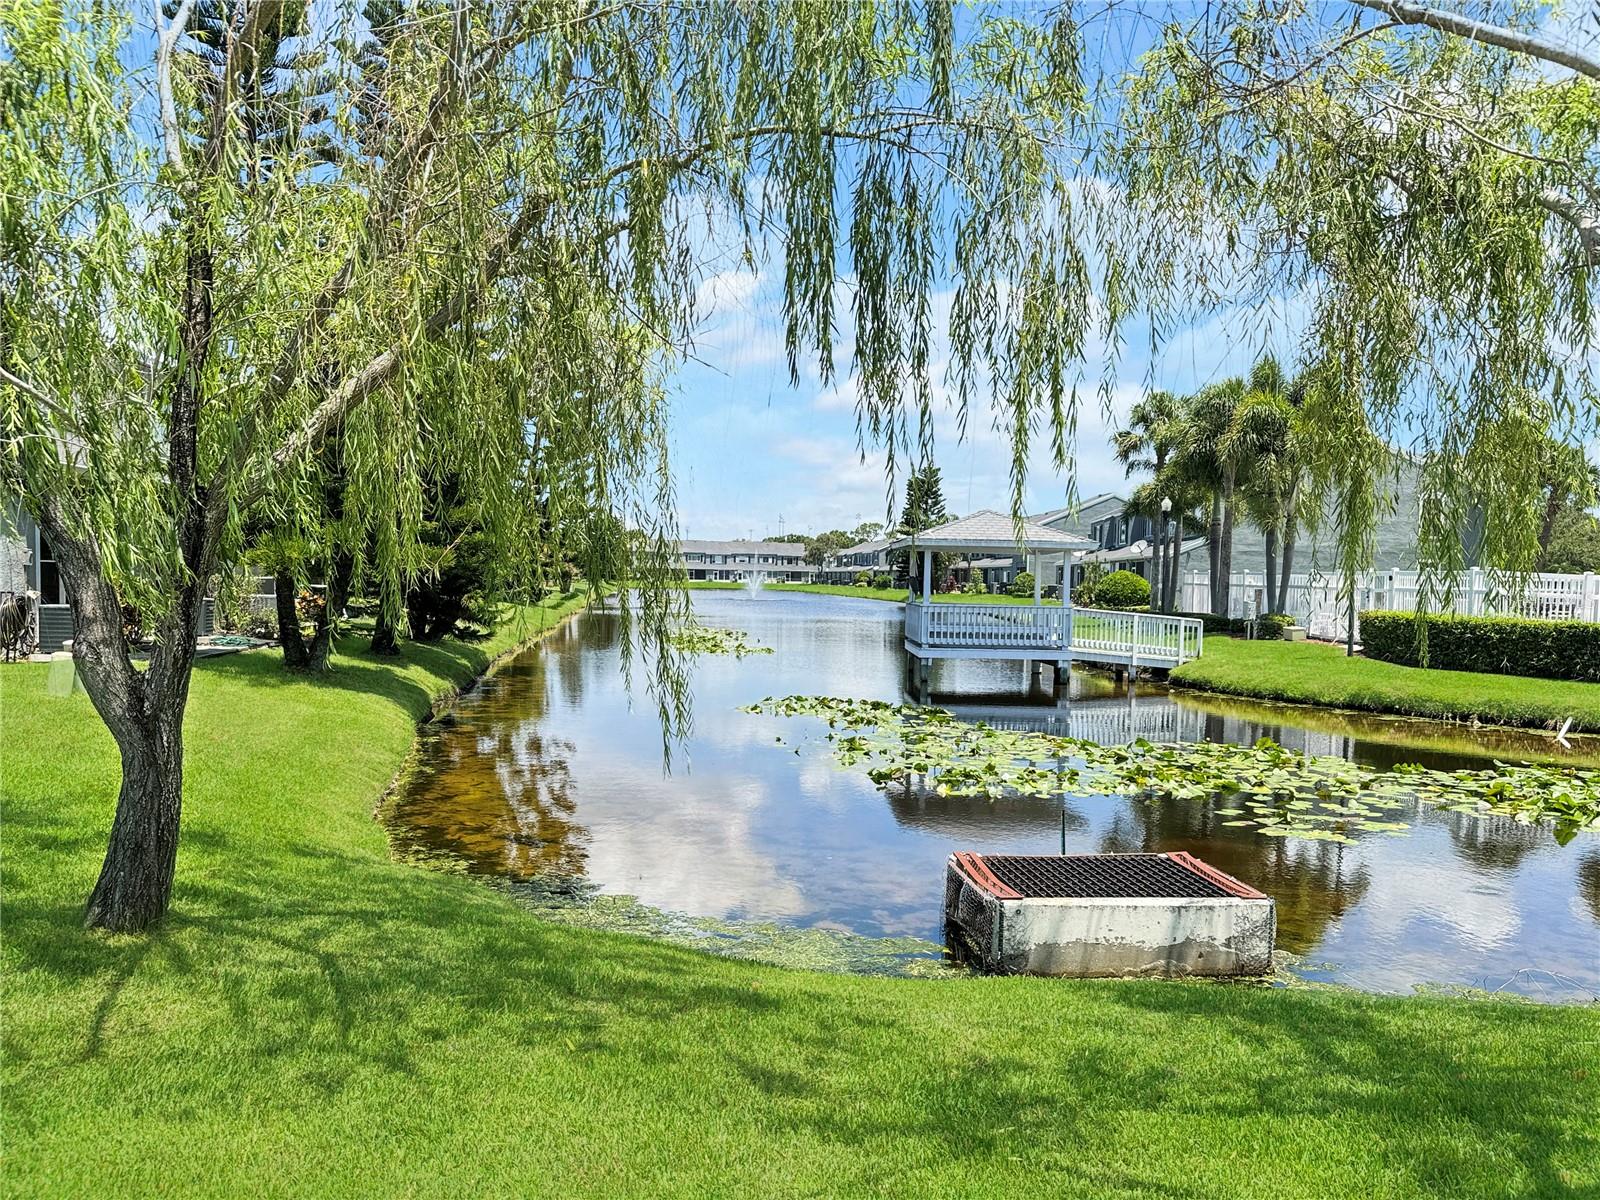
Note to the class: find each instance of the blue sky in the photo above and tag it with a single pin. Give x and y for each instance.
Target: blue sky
(753, 454)
(749, 448)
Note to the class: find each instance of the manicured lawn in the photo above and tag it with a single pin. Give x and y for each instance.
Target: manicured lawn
(316, 1019)
(1318, 673)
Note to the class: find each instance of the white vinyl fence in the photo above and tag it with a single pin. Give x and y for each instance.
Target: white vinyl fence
(1317, 600)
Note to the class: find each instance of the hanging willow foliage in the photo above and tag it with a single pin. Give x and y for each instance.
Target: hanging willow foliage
(1424, 185)
(455, 243)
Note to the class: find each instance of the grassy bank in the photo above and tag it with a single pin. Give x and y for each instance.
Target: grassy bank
(318, 1019)
(1317, 673)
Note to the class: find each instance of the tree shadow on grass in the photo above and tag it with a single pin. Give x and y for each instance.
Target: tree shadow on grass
(334, 966)
(352, 672)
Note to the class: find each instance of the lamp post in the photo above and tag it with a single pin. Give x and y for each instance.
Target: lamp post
(1167, 569)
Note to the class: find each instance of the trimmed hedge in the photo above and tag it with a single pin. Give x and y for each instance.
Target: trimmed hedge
(1498, 645)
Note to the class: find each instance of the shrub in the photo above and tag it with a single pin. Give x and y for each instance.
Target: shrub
(975, 586)
(260, 625)
(882, 582)
(1501, 645)
(1272, 625)
(1022, 585)
(1268, 625)
(1122, 589)
(863, 578)
(1087, 593)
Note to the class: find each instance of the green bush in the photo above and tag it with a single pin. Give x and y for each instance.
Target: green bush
(1272, 625)
(1122, 589)
(975, 585)
(1268, 625)
(863, 578)
(1085, 594)
(1022, 585)
(1498, 645)
(882, 581)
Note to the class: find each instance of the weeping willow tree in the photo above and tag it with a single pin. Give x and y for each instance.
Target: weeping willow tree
(1420, 188)
(465, 241)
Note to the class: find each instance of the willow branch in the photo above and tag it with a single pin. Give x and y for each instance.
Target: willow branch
(1492, 35)
(165, 44)
(1585, 223)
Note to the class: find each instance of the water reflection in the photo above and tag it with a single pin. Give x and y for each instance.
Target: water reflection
(550, 770)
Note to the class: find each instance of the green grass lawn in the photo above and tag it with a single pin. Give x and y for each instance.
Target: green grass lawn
(1318, 673)
(317, 1019)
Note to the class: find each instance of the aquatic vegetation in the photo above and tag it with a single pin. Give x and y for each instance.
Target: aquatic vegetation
(578, 903)
(695, 638)
(1277, 791)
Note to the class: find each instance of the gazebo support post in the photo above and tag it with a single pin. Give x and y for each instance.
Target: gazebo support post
(927, 576)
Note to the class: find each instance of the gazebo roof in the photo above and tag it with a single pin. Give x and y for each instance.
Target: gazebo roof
(996, 532)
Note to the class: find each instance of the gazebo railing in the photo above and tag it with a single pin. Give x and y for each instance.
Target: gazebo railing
(986, 626)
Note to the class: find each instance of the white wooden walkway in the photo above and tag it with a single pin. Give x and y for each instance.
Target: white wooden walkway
(1050, 633)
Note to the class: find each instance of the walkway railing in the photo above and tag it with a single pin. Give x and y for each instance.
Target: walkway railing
(1102, 635)
(1136, 638)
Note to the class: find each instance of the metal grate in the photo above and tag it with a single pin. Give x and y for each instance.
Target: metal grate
(1101, 876)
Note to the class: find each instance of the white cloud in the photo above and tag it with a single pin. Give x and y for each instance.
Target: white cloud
(727, 290)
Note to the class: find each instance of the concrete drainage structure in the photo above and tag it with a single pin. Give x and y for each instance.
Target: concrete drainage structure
(1091, 915)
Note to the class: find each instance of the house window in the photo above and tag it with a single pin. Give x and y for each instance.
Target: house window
(49, 574)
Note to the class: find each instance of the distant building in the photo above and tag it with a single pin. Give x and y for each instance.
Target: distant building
(1101, 518)
(1125, 537)
(27, 565)
(843, 567)
(781, 562)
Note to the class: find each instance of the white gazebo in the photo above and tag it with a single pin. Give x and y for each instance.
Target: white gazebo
(1056, 633)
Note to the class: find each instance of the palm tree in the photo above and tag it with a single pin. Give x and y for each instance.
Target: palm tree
(1267, 438)
(1147, 444)
(1211, 464)
(1152, 434)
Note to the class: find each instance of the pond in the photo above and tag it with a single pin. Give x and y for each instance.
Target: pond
(549, 776)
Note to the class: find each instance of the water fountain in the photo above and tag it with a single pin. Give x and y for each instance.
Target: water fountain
(752, 583)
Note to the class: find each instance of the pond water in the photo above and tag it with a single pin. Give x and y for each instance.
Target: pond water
(551, 772)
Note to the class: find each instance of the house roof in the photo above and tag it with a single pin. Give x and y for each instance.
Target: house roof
(996, 532)
(742, 546)
(1085, 508)
(1136, 551)
(866, 547)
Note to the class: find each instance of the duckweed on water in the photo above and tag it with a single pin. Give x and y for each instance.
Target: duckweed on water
(1277, 791)
(695, 638)
(577, 903)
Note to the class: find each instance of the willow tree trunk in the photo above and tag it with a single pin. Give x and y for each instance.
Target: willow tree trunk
(143, 709)
(135, 883)
(320, 651)
(384, 637)
(296, 655)
(1547, 525)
